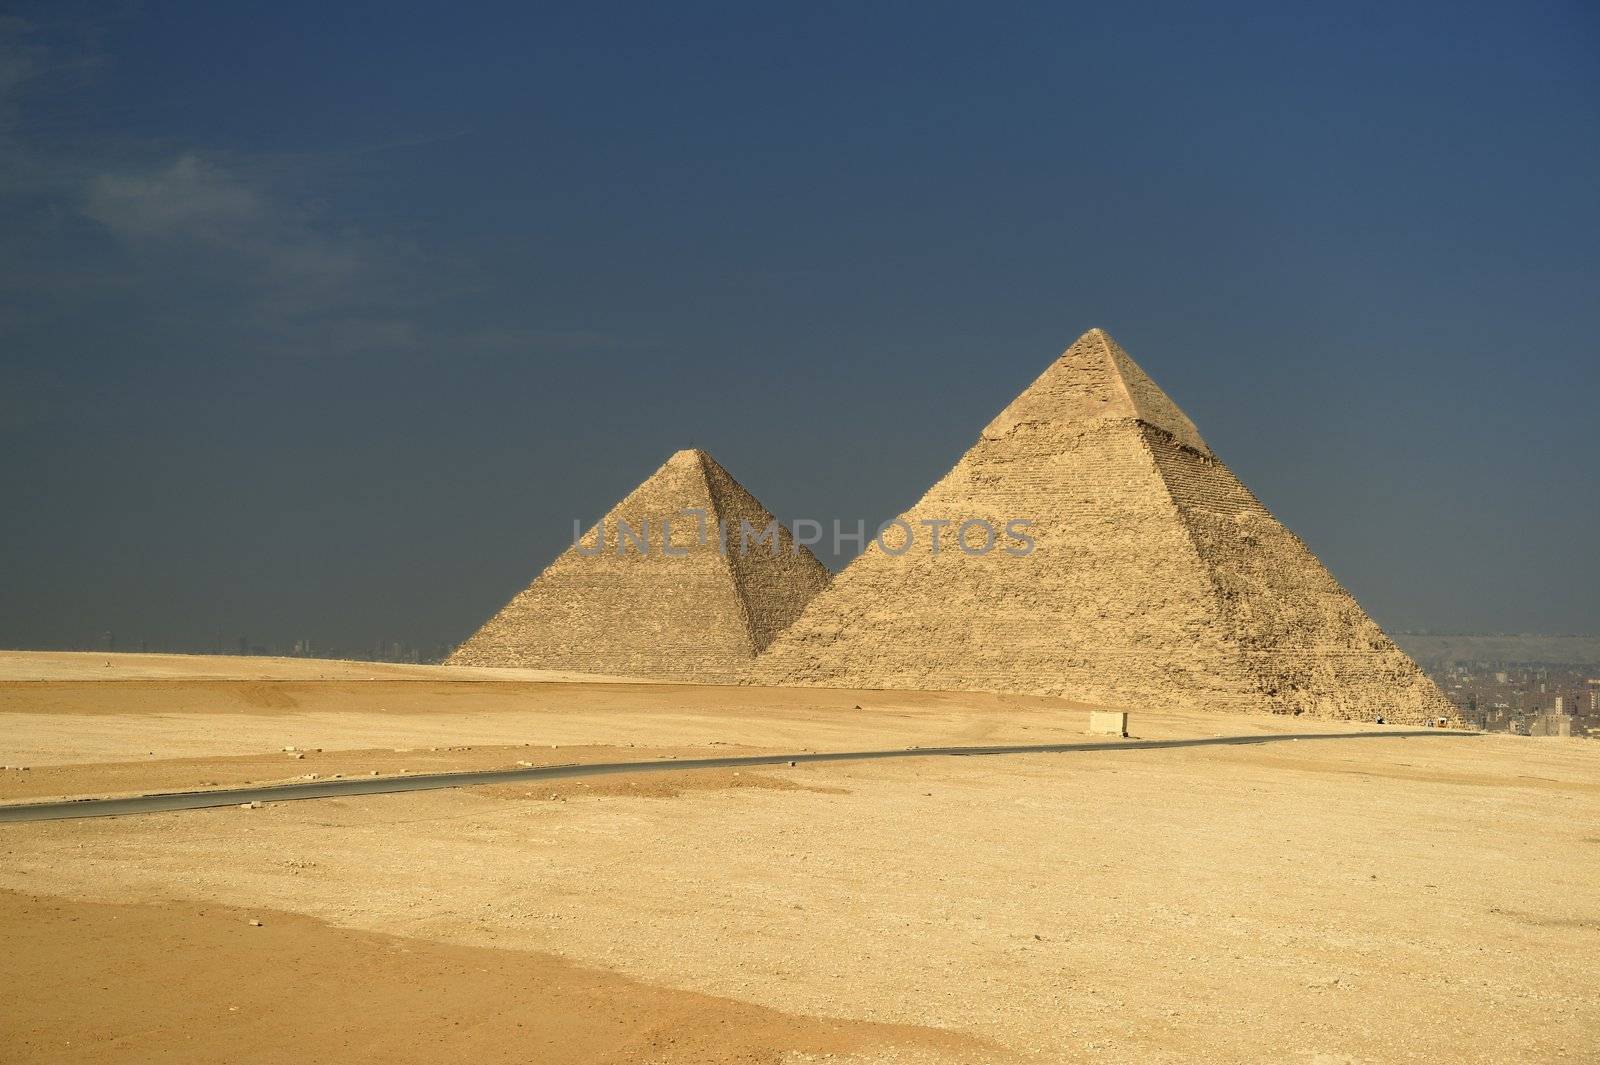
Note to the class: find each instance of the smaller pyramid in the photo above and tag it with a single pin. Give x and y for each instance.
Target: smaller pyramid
(659, 587)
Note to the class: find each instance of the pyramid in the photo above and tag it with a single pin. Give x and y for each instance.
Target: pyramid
(699, 616)
(1155, 578)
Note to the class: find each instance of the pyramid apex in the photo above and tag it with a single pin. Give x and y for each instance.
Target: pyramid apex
(1095, 380)
(1096, 335)
(693, 461)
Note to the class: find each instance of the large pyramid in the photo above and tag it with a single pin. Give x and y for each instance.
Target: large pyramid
(702, 615)
(1155, 580)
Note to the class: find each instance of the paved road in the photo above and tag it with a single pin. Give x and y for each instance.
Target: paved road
(328, 789)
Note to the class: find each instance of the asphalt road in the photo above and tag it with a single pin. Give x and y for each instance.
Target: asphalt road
(328, 789)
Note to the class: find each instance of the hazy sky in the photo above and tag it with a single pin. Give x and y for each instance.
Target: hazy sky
(325, 321)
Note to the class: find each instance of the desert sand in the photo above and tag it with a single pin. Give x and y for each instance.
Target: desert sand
(1369, 897)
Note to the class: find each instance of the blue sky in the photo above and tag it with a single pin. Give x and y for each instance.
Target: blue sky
(327, 323)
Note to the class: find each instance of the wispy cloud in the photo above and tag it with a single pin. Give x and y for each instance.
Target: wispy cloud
(201, 241)
(302, 283)
(188, 199)
(225, 252)
(196, 207)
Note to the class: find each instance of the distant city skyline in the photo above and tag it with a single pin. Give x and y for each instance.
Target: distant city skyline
(336, 346)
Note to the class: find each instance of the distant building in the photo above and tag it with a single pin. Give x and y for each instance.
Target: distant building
(1553, 723)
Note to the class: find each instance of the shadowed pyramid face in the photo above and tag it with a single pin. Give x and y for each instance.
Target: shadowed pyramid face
(649, 591)
(1157, 578)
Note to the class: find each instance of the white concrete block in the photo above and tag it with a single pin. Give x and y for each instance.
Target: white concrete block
(1108, 723)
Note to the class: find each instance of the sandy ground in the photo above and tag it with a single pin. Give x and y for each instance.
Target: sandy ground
(1365, 898)
(81, 665)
